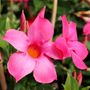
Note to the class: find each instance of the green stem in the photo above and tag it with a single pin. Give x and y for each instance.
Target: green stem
(0, 8)
(64, 68)
(54, 12)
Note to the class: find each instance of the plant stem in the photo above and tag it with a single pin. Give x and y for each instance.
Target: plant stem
(11, 6)
(64, 68)
(54, 12)
(0, 8)
(11, 9)
(2, 77)
(88, 69)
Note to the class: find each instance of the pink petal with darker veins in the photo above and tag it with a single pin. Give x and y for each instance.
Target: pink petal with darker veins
(79, 48)
(78, 61)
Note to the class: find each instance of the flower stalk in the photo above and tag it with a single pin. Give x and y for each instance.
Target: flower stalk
(0, 8)
(54, 12)
(2, 77)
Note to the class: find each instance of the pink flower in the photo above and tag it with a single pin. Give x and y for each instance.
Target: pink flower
(75, 49)
(34, 51)
(86, 30)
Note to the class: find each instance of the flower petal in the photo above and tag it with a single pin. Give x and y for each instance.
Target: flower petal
(69, 29)
(19, 65)
(72, 31)
(86, 29)
(79, 48)
(65, 26)
(44, 71)
(50, 50)
(40, 30)
(62, 46)
(18, 39)
(78, 61)
(42, 12)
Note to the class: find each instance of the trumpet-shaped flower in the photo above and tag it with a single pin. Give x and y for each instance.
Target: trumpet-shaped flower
(33, 51)
(86, 30)
(75, 49)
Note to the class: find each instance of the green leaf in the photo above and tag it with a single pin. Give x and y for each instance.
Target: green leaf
(3, 44)
(88, 45)
(71, 83)
(44, 87)
(86, 88)
(38, 4)
(5, 23)
(8, 23)
(2, 22)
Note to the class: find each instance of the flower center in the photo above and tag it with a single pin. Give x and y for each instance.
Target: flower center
(34, 51)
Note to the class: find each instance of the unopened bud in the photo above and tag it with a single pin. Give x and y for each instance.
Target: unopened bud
(74, 74)
(79, 78)
(22, 22)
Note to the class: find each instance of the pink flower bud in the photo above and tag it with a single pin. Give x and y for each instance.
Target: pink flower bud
(74, 74)
(79, 78)
(22, 22)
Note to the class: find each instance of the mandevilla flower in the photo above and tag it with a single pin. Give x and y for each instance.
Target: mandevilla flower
(33, 51)
(86, 30)
(76, 49)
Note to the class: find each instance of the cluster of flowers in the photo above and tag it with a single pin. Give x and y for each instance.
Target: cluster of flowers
(35, 48)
